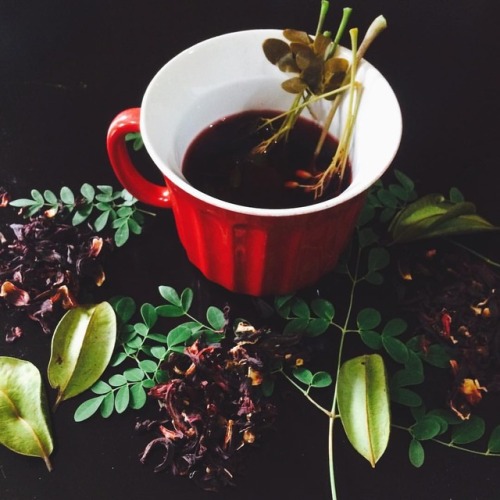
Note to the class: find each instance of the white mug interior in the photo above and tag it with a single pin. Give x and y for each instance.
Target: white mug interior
(229, 74)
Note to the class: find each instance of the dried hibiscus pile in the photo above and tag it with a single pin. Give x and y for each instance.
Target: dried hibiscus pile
(214, 405)
(43, 263)
(457, 299)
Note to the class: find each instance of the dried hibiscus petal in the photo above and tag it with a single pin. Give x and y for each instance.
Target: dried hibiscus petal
(43, 265)
(456, 298)
(213, 406)
(14, 295)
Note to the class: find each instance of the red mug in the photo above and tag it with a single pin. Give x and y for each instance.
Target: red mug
(249, 250)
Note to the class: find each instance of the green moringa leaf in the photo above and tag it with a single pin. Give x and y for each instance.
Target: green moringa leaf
(363, 403)
(24, 424)
(82, 345)
(433, 215)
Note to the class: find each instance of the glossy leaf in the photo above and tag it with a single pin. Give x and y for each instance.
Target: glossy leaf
(468, 431)
(88, 408)
(426, 428)
(82, 346)
(24, 426)
(304, 375)
(494, 441)
(216, 318)
(434, 216)
(321, 379)
(406, 397)
(416, 453)
(363, 403)
(368, 319)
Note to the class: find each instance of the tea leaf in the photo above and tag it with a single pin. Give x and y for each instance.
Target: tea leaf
(122, 399)
(371, 339)
(395, 348)
(216, 318)
(364, 405)
(178, 335)
(24, 426)
(416, 453)
(368, 319)
(88, 408)
(149, 315)
(122, 233)
(317, 326)
(170, 311)
(107, 405)
(378, 259)
(170, 295)
(304, 375)
(101, 387)
(437, 356)
(88, 192)
(301, 309)
(394, 327)
(67, 196)
(82, 346)
(468, 431)
(138, 397)
(321, 379)
(406, 397)
(323, 309)
(426, 428)
(494, 441)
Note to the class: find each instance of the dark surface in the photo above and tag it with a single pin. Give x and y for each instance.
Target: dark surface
(67, 68)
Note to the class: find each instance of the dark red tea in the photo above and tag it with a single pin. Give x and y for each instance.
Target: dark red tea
(221, 162)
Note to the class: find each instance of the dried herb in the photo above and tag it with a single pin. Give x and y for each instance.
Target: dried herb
(24, 426)
(43, 265)
(455, 297)
(214, 406)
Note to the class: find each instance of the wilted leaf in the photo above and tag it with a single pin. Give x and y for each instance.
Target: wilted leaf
(82, 346)
(24, 424)
(363, 403)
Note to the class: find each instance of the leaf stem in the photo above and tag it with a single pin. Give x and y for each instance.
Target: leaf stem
(333, 411)
(474, 252)
(306, 394)
(450, 444)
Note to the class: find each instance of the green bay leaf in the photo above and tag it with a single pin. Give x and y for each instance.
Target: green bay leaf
(363, 403)
(24, 426)
(82, 346)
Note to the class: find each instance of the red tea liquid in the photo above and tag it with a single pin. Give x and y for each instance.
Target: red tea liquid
(221, 162)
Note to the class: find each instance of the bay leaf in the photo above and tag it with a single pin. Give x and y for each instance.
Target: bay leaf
(82, 346)
(363, 403)
(24, 426)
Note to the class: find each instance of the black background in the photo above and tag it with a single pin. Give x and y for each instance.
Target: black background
(67, 68)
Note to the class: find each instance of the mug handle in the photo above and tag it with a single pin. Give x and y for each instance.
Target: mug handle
(152, 194)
